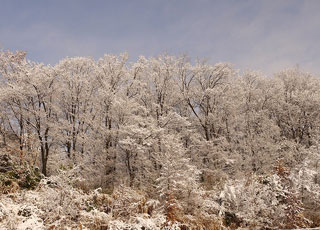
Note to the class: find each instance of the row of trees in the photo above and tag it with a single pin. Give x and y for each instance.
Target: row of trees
(161, 124)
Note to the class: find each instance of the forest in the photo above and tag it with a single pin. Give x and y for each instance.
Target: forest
(164, 142)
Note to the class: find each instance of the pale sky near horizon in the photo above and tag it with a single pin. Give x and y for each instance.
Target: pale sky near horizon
(262, 35)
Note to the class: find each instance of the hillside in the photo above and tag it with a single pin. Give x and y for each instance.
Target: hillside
(161, 143)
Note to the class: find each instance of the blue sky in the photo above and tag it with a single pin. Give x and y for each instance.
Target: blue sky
(264, 35)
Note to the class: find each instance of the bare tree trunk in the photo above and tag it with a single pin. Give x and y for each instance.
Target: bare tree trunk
(43, 160)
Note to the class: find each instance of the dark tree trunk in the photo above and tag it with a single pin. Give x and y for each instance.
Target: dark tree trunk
(43, 160)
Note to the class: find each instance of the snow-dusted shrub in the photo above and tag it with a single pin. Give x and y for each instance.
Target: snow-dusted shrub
(54, 203)
(269, 200)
